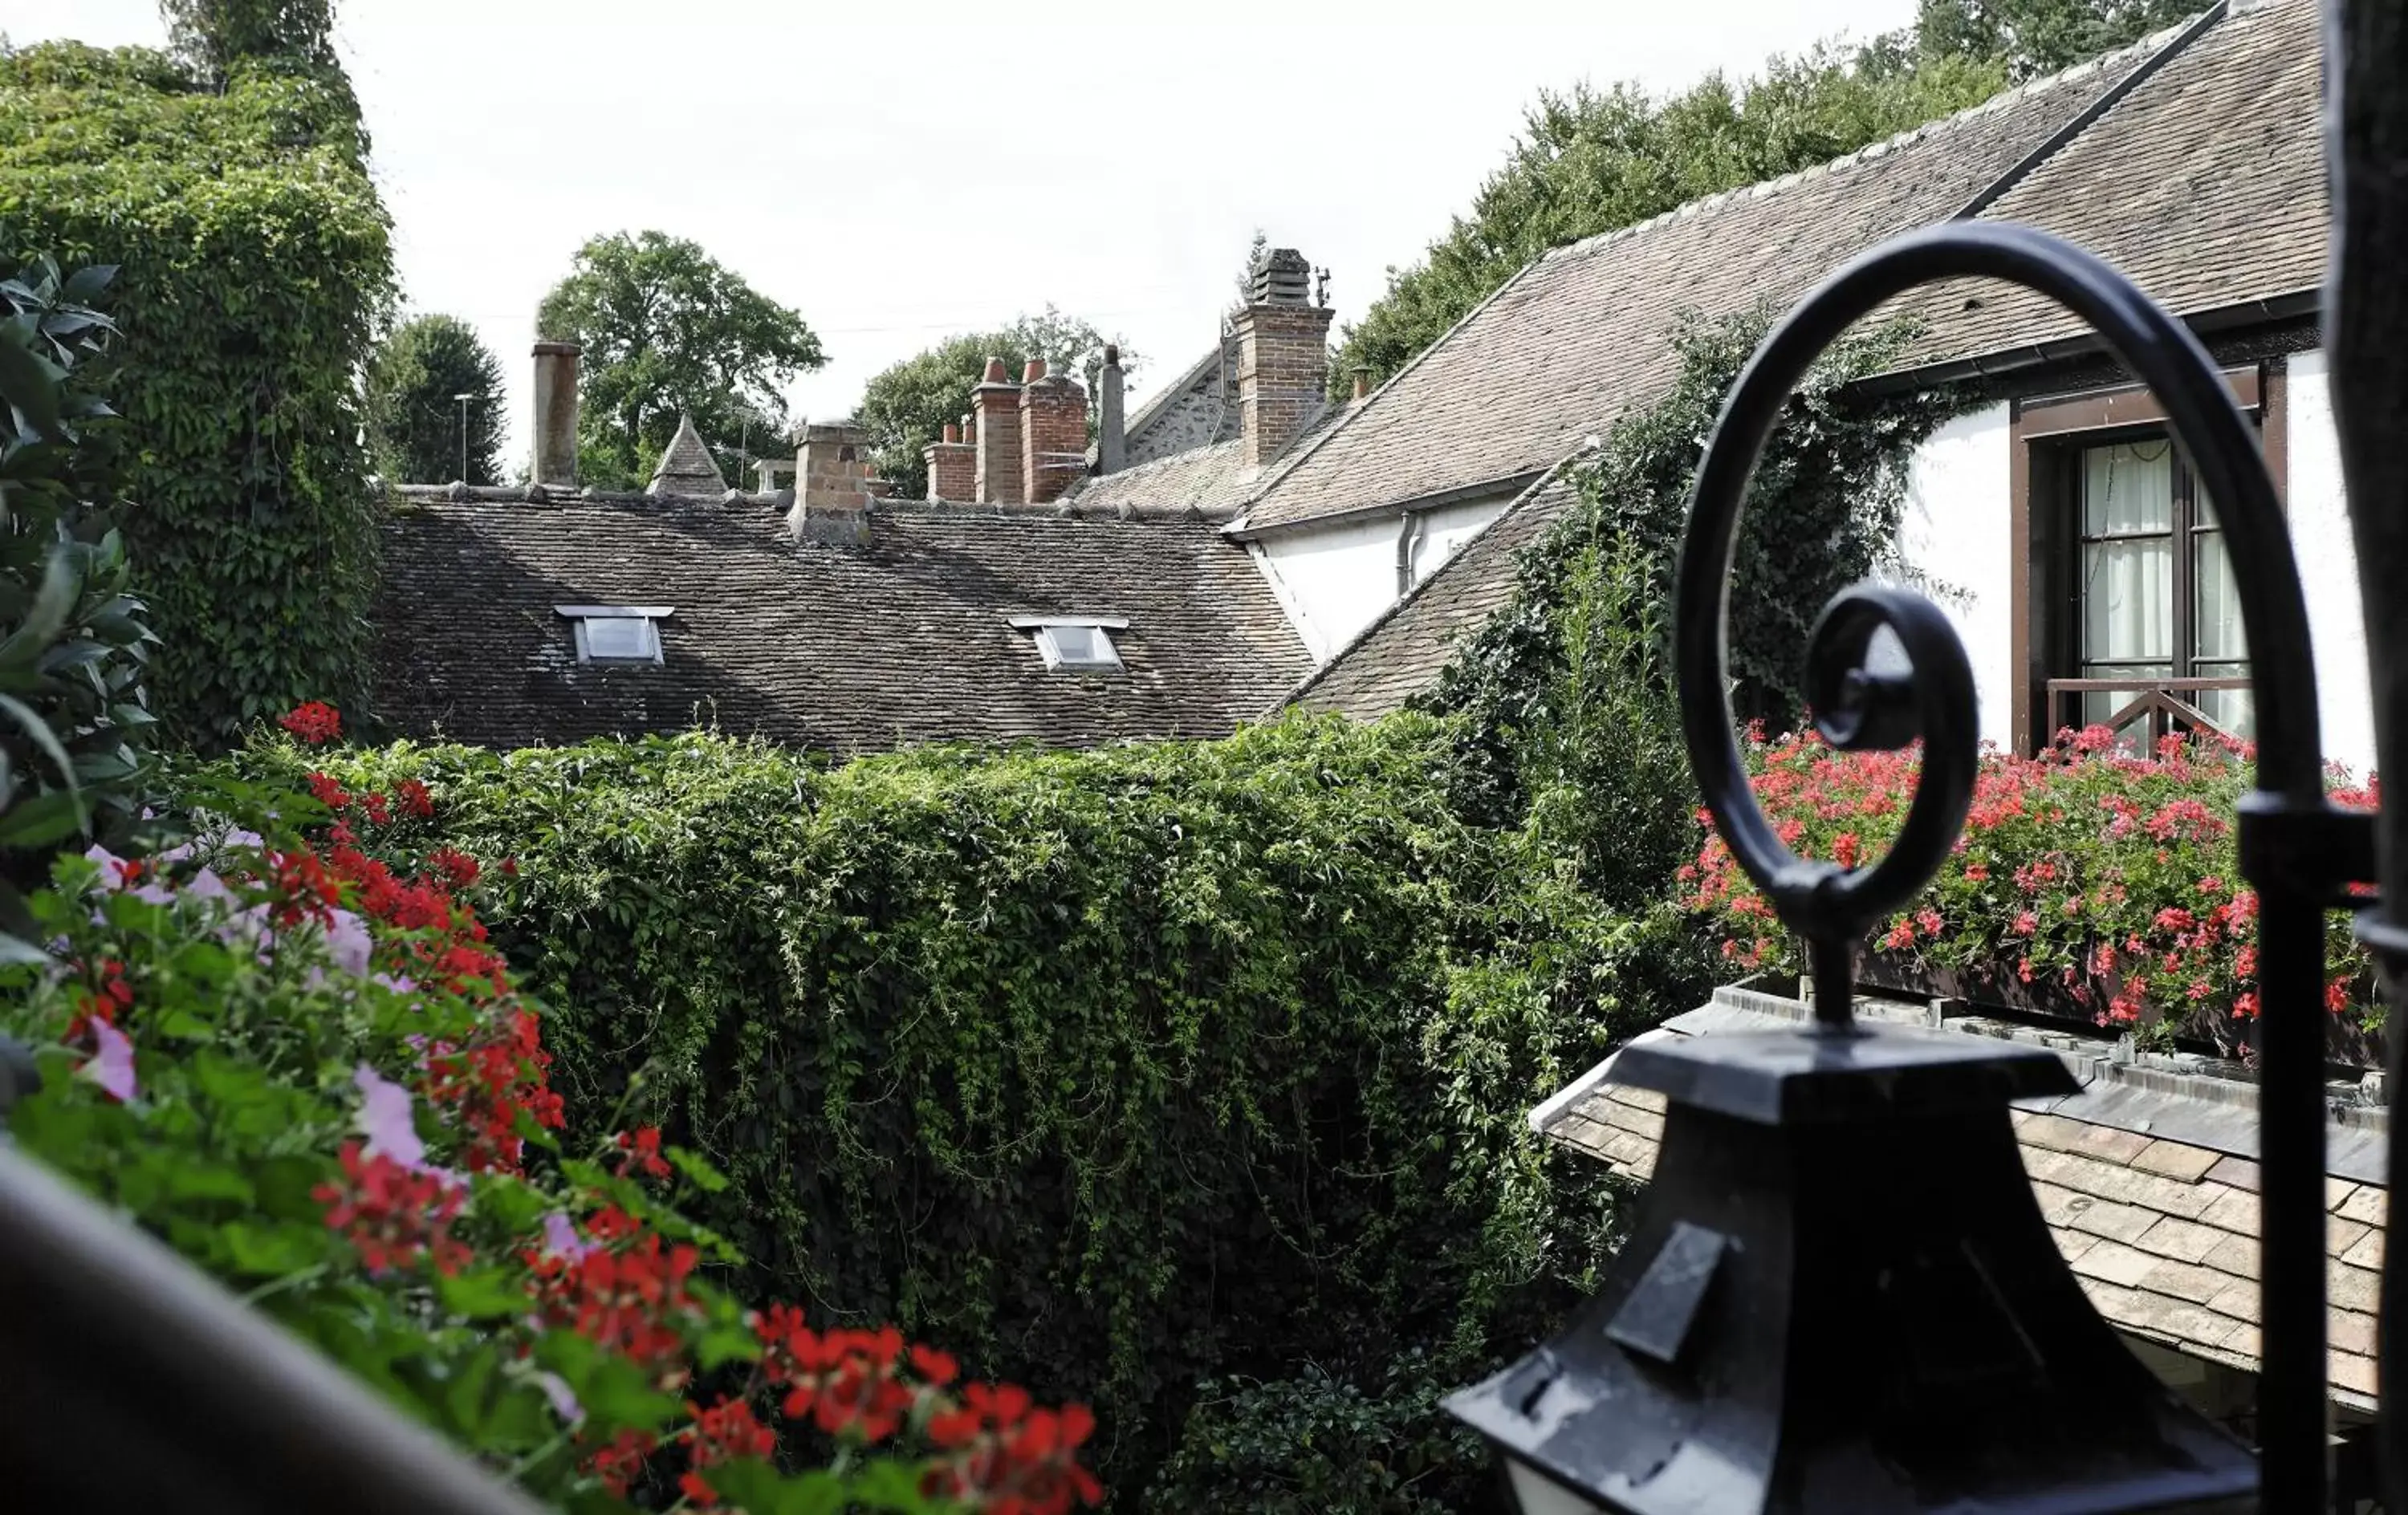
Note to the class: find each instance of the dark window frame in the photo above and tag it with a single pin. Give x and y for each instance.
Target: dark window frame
(2046, 435)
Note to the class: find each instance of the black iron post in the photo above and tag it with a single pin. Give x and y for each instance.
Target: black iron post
(2366, 344)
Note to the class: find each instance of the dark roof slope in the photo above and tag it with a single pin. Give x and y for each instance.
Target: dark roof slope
(2206, 185)
(1582, 335)
(835, 646)
(1399, 655)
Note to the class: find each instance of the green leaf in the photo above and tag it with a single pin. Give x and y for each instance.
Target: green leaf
(488, 1293)
(697, 1169)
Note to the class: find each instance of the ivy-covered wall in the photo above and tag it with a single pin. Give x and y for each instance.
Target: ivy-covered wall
(253, 267)
(1123, 1070)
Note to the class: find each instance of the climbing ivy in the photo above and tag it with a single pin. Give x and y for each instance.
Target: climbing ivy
(1561, 700)
(255, 267)
(1120, 1070)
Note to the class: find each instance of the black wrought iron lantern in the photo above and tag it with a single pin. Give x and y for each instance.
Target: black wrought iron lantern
(1839, 1294)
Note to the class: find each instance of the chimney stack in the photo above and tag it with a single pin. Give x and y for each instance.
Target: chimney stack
(1053, 434)
(952, 466)
(995, 403)
(1112, 426)
(833, 486)
(1283, 355)
(556, 414)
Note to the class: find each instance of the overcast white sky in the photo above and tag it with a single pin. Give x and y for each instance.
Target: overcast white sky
(902, 170)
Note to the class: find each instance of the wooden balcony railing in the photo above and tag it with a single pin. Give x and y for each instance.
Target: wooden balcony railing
(2159, 702)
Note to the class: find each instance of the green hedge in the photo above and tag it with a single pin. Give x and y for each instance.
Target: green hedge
(1122, 1069)
(254, 268)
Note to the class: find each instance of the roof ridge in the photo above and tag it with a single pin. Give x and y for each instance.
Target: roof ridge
(2135, 52)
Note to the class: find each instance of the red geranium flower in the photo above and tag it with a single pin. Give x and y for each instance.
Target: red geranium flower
(314, 721)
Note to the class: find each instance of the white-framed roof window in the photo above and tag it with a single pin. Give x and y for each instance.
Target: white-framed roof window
(1075, 644)
(617, 633)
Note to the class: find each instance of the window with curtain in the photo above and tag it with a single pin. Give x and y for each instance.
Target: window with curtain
(2154, 593)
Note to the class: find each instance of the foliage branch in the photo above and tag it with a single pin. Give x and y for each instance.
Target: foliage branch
(74, 639)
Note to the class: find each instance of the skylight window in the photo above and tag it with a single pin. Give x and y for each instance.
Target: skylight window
(616, 633)
(1075, 644)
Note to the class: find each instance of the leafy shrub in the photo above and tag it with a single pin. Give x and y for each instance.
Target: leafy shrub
(2111, 877)
(1315, 1443)
(253, 270)
(73, 640)
(1119, 1069)
(302, 1067)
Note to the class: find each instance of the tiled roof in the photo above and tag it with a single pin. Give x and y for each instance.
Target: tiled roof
(2148, 1180)
(2206, 185)
(1211, 480)
(1583, 335)
(834, 646)
(1399, 655)
(1202, 478)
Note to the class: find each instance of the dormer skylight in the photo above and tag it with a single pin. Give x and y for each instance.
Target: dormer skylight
(617, 633)
(1075, 644)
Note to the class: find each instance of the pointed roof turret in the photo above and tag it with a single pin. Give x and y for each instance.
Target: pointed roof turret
(686, 467)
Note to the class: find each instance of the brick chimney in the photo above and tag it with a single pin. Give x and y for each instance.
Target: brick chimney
(952, 465)
(1283, 355)
(995, 403)
(1111, 423)
(1053, 432)
(556, 414)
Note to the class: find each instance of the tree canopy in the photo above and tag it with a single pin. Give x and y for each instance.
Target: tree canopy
(208, 36)
(415, 415)
(1591, 160)
(2039, 37)
(906, 408)
(668, 328)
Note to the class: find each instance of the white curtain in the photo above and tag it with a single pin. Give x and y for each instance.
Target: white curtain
(2217, 650)
(2127, 579)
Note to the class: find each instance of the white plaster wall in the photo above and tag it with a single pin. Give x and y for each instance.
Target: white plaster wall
(1439, 534)
(1956, 543)
(1332, 582)
(2327, 568)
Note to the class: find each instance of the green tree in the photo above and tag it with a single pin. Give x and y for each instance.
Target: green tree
(414, 410)
(668, 328)
(906, 408)
(209, 37)
(2039, 37)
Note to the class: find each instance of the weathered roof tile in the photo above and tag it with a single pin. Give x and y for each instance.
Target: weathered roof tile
(837, 647)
